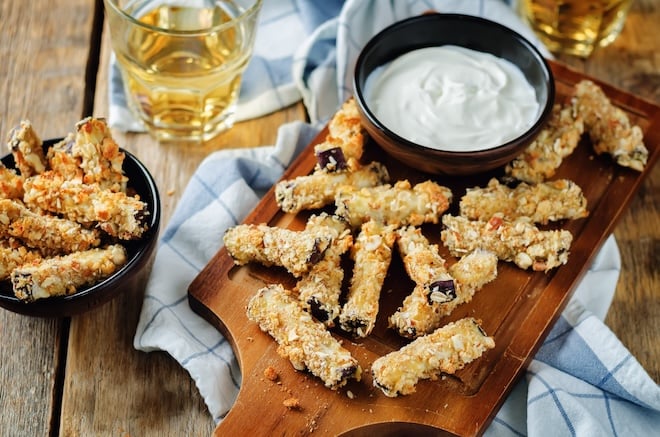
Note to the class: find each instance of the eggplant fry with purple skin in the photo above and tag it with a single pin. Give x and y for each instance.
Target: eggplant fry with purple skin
(301, 339)
(319, 189)
(26, 147)
(64, 275)
(99, 155)
(320, 288)
(296, 251)
(542, 202)
(609, 128)
(438, 290)
(557, 140)
(516, 241)
(400, 204)
(49, 234)
(344, 145)
(115, 213)
(372, 254)
(445, 350)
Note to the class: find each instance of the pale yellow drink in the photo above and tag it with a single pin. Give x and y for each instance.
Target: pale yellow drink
(182, 65)
(575, 26)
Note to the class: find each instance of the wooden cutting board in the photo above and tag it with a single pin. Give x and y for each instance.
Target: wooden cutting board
(518, 309)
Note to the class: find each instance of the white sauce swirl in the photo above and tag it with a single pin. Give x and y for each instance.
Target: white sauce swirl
(452, 98)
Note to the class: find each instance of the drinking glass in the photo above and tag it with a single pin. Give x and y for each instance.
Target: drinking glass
(182, 62)
(575, 27)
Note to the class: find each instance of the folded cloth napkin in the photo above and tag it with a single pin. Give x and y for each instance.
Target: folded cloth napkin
(582, 381)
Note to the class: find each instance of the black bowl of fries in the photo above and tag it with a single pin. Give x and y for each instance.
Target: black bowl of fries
(89, 262)
(452, 94)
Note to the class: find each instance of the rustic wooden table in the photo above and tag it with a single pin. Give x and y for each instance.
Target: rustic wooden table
(81, 375)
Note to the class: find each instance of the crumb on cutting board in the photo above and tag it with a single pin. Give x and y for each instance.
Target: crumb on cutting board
(292, 403)
(271, 374)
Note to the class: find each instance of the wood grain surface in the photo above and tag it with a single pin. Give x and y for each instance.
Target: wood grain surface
(632, 63)
(35, 83)
(82, 376)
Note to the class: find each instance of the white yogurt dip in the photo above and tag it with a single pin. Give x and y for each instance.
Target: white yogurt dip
(452, 98)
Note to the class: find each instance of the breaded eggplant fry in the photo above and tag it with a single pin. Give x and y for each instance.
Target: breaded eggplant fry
(51, 235)
(303, 340)
(372, 254)
(115, 213)
(319, 289)
(609, 127)
(61, 160)
(347, 126)
(518, 241)
(421, 259)
(11, 184)
(319, 189)
(400, 204)
(330, 157)
(557, 140)
(433, 283)
(346, 133)
(438, 290)
(100, 157)
(13, 254)
(446, 350)
(64, 275)
(26, 146)
(296, 251)
(541, 203)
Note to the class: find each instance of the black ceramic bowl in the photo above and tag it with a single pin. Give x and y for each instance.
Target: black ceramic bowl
(125, 279)
(474, 33)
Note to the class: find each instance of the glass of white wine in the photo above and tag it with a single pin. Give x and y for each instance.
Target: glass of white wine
(575, 27)
(182, 62)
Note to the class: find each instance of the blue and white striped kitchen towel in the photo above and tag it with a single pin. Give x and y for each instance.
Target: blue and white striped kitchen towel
(582, 381)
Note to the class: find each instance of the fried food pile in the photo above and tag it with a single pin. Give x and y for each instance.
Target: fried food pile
(65, 211)
(374, 217)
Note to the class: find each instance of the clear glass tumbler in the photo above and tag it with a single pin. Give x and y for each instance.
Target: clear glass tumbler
(182, 62)
(575, 27)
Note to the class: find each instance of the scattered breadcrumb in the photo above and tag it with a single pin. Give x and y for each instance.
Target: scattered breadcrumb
(271, 374)
(292, 403)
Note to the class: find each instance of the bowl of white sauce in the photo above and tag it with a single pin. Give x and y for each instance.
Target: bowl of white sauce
(452, 94)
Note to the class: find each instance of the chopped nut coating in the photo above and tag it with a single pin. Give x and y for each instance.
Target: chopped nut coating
(51, 235)
(63, 275)
(26, 146)
(399, 204)
(438, 290)
(301, 339)
(296, 251)
(557, 140)
(62, 162)
(541, 203)
(319, 289)
(372, 254)
(518, 241)
(11, 184)
(446, 350)
(14, 254)
(115, 213)
(319, 188)
(609, 128)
